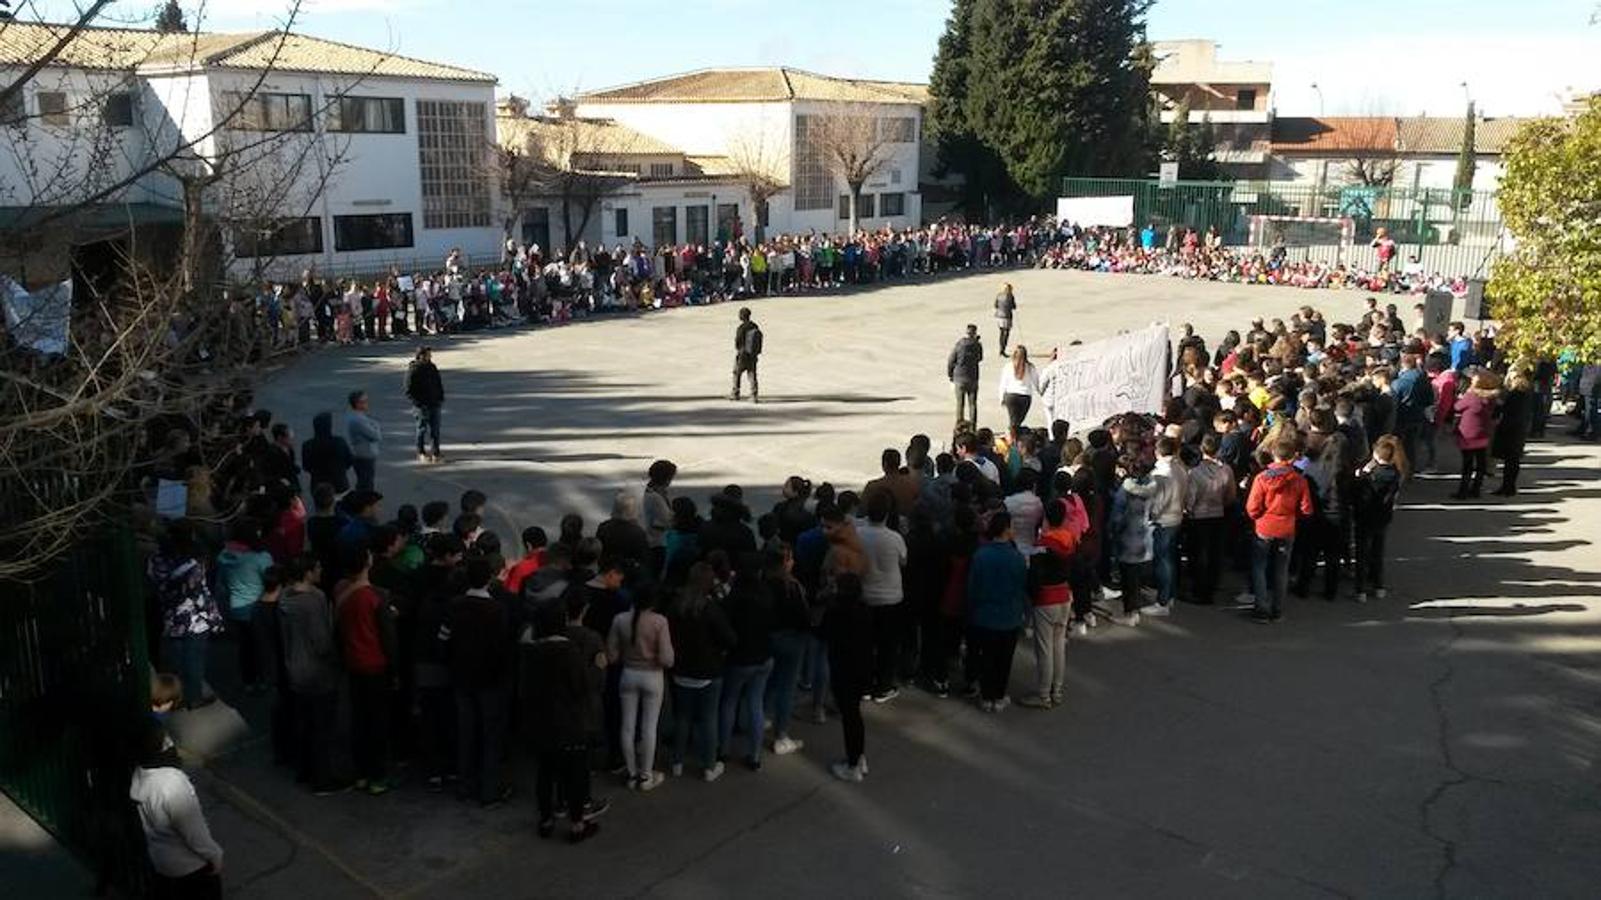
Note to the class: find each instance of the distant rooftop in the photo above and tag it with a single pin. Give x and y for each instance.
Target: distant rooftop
(1195, 61)
(21, 43)
(775, 84)
(1385, 134)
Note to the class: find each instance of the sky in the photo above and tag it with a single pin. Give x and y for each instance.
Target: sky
(1396, 57)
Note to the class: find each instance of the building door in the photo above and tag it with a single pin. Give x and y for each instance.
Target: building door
(729, 228)
(695, 225)
(536, 228)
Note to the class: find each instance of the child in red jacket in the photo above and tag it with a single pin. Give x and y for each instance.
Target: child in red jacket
(1279, 494)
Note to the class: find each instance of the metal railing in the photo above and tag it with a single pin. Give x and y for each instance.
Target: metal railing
(1455, 232)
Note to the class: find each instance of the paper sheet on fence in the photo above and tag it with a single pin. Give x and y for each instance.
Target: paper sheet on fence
(172, 499)
(1092, 382)
(1116, 212)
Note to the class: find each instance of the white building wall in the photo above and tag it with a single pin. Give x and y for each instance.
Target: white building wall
(57, 165)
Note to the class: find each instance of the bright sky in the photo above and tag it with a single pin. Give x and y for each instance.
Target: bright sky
(1368, 56)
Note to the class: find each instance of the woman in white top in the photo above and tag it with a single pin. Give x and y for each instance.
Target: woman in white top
(1020, 381)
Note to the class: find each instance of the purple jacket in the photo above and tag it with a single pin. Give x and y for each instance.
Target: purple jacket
(1475, 420)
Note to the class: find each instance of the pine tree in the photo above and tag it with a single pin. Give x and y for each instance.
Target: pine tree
(1024, 94)
(1466, 161)
(171, 19)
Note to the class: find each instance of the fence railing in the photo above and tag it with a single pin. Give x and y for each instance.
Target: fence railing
(1455, 232)
(74, 693)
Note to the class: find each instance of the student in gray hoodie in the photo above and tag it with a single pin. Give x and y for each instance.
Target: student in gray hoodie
(365, 437)
(311, 663)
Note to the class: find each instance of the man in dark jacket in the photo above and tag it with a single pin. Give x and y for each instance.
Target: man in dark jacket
(962, 369)
(1414, 398)
(480, 647)
(559, 703)
(426, 391)
(747, 349)
(325, 457)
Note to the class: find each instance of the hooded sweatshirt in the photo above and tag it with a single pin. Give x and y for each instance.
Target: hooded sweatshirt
(176, 835)
(326, 458)
(311, 651)
(1050, 568)
(1278, 496)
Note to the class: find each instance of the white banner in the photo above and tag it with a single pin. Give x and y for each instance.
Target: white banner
(1117, 212)
(1090, 383)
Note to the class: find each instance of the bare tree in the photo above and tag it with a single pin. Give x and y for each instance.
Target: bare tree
(1368, 145)
(761, 165)
(856, 144)
(572, 160)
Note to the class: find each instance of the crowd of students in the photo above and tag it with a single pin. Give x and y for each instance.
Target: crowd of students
(1282, 454)
(535, 286)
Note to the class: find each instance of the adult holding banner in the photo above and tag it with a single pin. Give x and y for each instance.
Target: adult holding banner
(1020, 381)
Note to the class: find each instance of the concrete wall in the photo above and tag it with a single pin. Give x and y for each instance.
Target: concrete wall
(56, 165)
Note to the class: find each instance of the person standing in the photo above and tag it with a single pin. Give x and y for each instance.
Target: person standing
(189, 615)
(997, 598)
(1414, 398)
(1211, 494)
(559, 704)
(747, 351)
(656, 513)
(365, 437)
(1279, 495)
(882, 589)
(1476, 411)
(701, 637)
(185, 860)
(311, 661)
(845, 627)
(640, 641)
(1512, 431)
(1020, 381)
(1005, 307)
(480, 671)
(426, 391)
(1378, 483)
(367, 637)
(1051, 571)
(326, 458)
(962, 369)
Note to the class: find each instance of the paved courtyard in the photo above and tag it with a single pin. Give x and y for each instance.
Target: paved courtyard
(1441, 742)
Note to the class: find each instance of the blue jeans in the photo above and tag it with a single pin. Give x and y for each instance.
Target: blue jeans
(696, 708)
(1270, 571)
(789, 648)
(1164, 550)
(814, 667)
(743, 686)
(187, 656)
(427, 427)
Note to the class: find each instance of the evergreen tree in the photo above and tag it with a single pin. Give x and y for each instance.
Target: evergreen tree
(1466, 161)
(171, 19)
(1024, 94)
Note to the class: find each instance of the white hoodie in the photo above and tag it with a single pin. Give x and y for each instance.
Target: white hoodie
(175, 828)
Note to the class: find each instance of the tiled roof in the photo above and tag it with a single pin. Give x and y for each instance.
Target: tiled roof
(763, 85)
(1325, 134)
(590, 136)
(715, 166)
(128, 48)
(1433, 134)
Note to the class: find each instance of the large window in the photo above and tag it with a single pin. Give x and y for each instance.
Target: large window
(264, 111)
(53, 108)
(285, 237)
(661, 170)
(814, 182)
(620, 222)
(892, 204)
(118, 111)
(864, 206)
(451, 140)
(695, 225)
(536, 228)
(1245, 98)
(900, 130)
(368, 115)
(727, 217)
(664, 225)
(377, 232)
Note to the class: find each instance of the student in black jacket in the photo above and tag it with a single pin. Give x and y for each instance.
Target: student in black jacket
(702, 637)
(750, 661)
(480, 671)
(848, 629)
(558, 700)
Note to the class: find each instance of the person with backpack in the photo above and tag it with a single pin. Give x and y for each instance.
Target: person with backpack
(426, 391)
(1378, 483)
(747, 351)
(962, 369)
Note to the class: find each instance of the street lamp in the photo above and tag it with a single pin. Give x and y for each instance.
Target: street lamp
(1319, 98)
(1323, 164)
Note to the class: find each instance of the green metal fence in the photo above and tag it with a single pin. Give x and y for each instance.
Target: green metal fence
(74, 692)
(1452, 232)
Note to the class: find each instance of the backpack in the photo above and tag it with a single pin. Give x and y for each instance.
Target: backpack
(753, 341)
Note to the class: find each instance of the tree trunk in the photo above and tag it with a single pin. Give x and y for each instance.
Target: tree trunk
(856, 194)
(193, 233)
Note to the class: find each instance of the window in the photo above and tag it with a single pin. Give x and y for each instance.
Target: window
(893, 204)
(118, 111)
(536, 227)
(900, 130)
(13, 112)
(368, 115)
(378, 232)
(864, 206)
(664, 225)
(286, 237)
(696, 219)
(620, 222)
(53, 108)
(727, 219)
(267, 112)
(894, 176)
(1245, 99)
(451, 137)
(814, 183)
(661, 170)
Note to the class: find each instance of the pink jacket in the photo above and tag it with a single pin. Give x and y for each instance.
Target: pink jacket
(1475, 420)
(1444, 396)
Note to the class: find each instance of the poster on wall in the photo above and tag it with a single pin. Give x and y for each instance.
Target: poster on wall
(1088, 212)
(1090, 383)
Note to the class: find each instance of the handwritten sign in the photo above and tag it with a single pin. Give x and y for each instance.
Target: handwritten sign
(1095, 381)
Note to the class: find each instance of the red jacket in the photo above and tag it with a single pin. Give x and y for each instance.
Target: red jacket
(1278, 495)
(359, 634)
(1051, 564)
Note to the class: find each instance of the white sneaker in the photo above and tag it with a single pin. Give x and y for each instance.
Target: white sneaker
(1380, 593)
(1157, 609)
(1245, 598)
(786, 745)
(846, 772)
(651, 781)
(712, 774)
(1080, 629)
(1129, 620)
(1002, 703)
(862, 763)
(1361, 597)
(1090, 620)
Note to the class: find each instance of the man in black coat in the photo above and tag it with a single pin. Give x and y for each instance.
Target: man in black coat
(747, 350)
(962, 369)
(426, 391)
